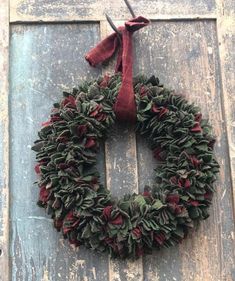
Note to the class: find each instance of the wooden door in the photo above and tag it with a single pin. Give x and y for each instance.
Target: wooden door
(190, 47)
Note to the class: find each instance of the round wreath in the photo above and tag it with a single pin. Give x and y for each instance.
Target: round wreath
(84, 210)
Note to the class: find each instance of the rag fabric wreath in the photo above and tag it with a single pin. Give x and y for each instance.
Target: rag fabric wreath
(70, 190)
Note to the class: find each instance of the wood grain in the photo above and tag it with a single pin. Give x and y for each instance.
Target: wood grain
(71, 10)
(184, 55)
(195, 57)
(45, 60)
(226, 38)
(4, 144)
(121, 175)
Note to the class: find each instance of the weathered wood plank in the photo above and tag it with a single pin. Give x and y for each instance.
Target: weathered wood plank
(4, 144)
(165, 264)
(45, 60)
(226, 38)
(184, 56)
(43, 10)
(121, 176)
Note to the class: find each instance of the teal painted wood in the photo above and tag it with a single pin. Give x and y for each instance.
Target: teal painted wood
(184, 55)
(4, 143)
(45, 60)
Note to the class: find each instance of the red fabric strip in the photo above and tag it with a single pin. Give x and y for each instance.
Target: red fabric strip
(124, 107)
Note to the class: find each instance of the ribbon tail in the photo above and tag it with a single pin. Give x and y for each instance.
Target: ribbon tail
(103, 51)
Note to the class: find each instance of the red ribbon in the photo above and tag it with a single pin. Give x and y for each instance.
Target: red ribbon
(124, 107)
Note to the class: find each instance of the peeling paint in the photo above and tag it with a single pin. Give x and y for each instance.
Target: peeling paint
(36, 81)
(4, 146)
(47, 60)
(28, 10)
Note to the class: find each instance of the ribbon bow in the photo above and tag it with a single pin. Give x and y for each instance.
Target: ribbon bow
(125, 106)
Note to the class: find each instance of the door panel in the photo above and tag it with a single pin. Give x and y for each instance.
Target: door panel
(45, 60)
(184, 55)
(190, 47)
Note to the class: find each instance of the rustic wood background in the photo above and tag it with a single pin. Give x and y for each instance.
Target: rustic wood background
(190, 46)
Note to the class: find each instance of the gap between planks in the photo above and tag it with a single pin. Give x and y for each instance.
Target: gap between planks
(100, 19)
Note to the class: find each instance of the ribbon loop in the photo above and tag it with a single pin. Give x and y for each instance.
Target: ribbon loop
(124, 107)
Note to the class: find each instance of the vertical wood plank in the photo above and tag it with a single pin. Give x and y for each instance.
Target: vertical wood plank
(45, 60)
(121, 178)
(226, 39)
(184, 55)
(4, 144)
(165, 264)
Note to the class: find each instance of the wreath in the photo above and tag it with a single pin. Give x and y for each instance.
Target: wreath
(83, 209)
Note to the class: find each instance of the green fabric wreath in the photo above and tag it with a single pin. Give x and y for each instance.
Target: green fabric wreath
(84, 210)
